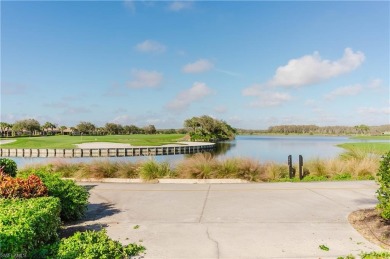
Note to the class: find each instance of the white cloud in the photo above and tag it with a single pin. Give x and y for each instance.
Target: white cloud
(220, 109)
(115, 90)
(311, 69)
(344, 91)
(179, 5)
(230, 73)
(130, 5)
(125, 120)
(143, 78)
(13, 89)
(373, 111)
(150, 46)
(76, 110)
(183, 100)
(310, 102)
(265, 98)
(375, 84)
(199, 66)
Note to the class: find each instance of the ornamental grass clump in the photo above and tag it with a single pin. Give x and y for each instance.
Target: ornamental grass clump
(251, 170)
(198, 166)
(127, 170)
(151, 169)
(97, 169)
(317, 167)
(227, 168)
(275, 172)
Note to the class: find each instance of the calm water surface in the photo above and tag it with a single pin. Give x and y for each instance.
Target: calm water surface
(262, 148)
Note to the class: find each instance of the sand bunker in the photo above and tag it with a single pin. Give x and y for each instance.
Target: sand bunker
(103, 145)
(6, 141)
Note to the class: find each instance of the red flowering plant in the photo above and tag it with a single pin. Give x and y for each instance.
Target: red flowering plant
(21, 188)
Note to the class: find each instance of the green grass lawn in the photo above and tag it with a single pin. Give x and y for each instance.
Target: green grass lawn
(381, 137)
(368, 147)
(61, 141)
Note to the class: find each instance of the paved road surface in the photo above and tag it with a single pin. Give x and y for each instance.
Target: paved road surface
(266, 220)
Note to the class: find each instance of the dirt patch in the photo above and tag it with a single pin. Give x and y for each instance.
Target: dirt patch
(371, 226)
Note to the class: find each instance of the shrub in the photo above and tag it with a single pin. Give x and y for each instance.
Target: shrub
(317, 167)
(21, 188)
(98, 169)
(276, 171)
(26, 224)
(375, 255)
(228, 168)
(127, 170)
(89, 244)
(198, 166)
(251, 170)
(65, 169)
(74, 198)
(9, 166)
(384, 186)
(152, 170)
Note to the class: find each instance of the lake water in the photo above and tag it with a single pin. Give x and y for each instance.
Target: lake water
(262, 148)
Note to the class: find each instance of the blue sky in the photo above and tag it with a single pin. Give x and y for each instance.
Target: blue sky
(253, 64)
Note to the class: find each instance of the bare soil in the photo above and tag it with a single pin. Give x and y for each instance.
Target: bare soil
(370, 225)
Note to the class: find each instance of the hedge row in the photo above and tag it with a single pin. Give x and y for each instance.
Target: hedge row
(384, 187)
(89, 244)
(26, 224)
(74, 198)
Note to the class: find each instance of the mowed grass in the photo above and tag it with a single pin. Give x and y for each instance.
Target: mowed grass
(381, 137)
(63, 141)
(368, 147)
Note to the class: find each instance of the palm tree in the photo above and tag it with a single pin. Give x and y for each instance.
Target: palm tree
(63, 128)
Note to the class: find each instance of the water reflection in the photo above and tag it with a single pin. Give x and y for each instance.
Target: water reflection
(222, 148)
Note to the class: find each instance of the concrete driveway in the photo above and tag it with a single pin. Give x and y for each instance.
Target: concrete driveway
(264, 220)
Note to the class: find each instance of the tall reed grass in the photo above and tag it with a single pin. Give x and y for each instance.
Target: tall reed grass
(353, 165)
(151, 169)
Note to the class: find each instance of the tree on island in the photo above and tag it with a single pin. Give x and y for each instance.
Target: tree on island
(205, 128)
(30, 125)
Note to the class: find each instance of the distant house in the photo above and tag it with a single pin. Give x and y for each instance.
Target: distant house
(386, 133)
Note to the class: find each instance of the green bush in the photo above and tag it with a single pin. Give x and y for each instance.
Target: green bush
(74, 198)
(91, 245)
(375, 255)
(9, 166)
(384, 186)
(26, 224)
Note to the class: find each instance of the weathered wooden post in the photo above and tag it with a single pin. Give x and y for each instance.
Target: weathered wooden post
(290, 167)
(300, 167)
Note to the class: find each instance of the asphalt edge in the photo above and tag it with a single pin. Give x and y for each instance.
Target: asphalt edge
(165, 180)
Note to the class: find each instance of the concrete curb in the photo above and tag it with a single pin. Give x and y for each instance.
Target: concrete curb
(164, 181)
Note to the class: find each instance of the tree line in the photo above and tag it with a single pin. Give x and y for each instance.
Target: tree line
(204, 128)
(321, 130)
(32, 127)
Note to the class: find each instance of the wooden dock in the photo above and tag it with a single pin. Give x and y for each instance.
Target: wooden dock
(107, 152)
